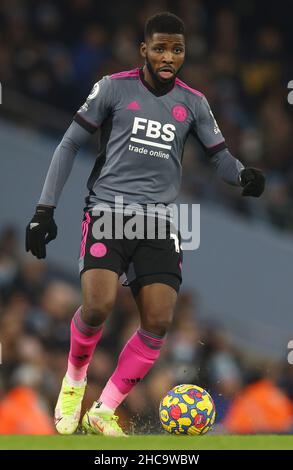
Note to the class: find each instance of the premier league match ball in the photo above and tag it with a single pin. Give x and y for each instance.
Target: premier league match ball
(187, 409)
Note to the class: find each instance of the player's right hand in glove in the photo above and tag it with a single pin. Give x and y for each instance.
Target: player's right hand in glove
(40, 231)
(253, 182)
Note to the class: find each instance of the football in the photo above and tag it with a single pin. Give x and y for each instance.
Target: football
(187, 409)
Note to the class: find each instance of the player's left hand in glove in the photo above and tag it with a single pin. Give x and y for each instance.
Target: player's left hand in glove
(253, 182)
(40, 231)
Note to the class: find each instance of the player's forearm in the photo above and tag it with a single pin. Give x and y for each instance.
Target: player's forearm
(62, 163)
(227, 167)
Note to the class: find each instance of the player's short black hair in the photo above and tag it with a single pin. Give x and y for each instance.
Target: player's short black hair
(164, 22)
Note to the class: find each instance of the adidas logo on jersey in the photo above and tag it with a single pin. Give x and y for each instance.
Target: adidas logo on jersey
(133, 105)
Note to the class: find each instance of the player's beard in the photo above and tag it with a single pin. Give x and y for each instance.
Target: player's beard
(159, 84)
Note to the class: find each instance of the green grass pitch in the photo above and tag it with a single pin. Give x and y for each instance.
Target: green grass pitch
(150, 442)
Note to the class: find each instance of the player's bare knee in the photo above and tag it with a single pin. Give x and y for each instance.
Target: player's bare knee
(96, 315)
(156, 326)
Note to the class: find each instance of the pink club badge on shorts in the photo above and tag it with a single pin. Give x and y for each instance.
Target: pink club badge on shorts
(98, 250)
(179, 112)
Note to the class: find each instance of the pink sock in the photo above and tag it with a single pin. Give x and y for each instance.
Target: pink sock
(135, 360)
(83, 341)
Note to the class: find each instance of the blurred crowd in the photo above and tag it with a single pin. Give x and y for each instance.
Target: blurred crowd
(36, 306)
(53, 52)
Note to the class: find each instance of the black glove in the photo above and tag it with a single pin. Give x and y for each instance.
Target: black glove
(253, 182)
(40, 231)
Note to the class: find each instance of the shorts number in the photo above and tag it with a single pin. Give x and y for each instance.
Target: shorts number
(176, 242)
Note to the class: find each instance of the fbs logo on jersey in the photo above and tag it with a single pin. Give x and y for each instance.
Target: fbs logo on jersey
(153, 130)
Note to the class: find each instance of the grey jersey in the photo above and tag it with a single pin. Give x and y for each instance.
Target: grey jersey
(142, 137)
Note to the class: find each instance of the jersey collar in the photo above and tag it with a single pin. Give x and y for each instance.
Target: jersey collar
(155, 92)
